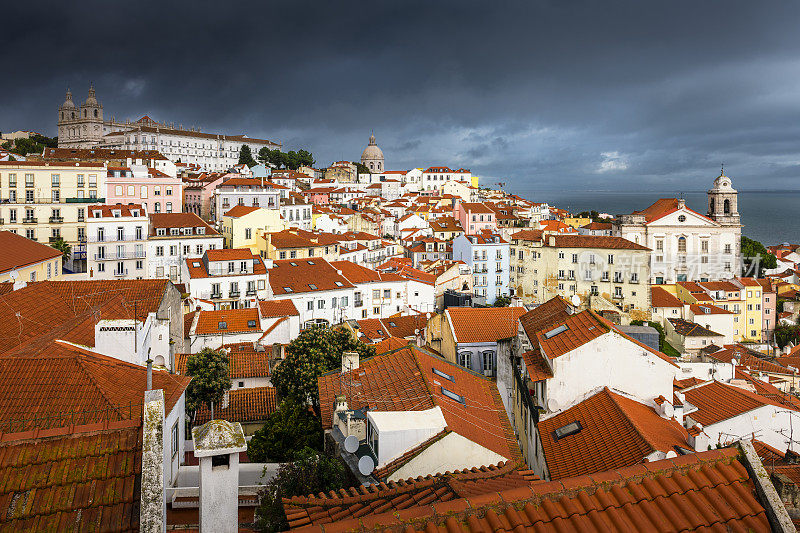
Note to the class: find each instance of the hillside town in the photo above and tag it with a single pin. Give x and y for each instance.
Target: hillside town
(206, 331)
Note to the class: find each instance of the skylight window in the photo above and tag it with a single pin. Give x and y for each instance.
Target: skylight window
(288, 289)
(251, 323)
(222, 325)
(293, 264)
(443, 375)
(392, 324)
(310, 262)
(338, 283)
(565, 431)
(196, 264)
(555, 331)
(312, 286)
(453, 396)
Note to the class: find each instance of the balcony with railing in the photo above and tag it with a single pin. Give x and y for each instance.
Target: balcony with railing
(234, 294)
(56, 220)
(120, 272)
(30, 220)
(120, 256)
(75, 200)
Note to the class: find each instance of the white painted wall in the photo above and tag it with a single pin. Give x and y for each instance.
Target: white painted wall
(450, 453)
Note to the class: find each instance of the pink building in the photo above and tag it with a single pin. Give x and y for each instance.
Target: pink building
(147, 186)
(198, 193)
(475, 218)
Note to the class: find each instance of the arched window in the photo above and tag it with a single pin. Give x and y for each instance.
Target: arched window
(711, 206)
(726, 206)
(463, 359)
(372, 166)
(682, 244)
(62, 115)
(84, 113)
(95, 113)
(73, 114)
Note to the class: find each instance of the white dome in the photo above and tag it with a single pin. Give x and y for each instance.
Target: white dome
(371, 152)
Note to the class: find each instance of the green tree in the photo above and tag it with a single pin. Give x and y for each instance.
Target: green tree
(62, 246)
(35, 144)
(663, 346)
(502, 301)
(314, 352)
(361, 168)
(291, 161)
(313, 472)
(246, 156)
(305, 158)
(784, 334)
(756, 257)
(210, 379)
(289, 429)
(263, 155)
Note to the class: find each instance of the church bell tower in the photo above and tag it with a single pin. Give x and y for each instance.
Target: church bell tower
(723, 202)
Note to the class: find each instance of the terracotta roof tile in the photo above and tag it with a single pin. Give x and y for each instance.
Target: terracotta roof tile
(713, 492)
(403, 380)
(180, 220)
(404, 494)
(357, 274)
(661, 298)
(126, 210)
(240, 211)
(228, 321)
(55, 378)
(277, 308)
(717, 401)
(470, 323)
(579, 329)
(253, 404)
(691, 329)
(84, 478)
(592, 241)
(243, 361)
(619, 431)
(305, 275)
(544, 316)
(19, 251)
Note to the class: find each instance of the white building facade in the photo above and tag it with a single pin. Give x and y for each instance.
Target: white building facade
(117, 241)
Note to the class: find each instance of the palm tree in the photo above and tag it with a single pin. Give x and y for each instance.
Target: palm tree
(62, 246)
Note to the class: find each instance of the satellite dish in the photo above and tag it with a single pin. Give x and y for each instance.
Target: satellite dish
(552, 404)
(14, 275)
(351, 444)
(576, 300)
(668, 410)
(366, 465)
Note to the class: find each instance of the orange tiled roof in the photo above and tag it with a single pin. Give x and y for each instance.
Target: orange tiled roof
(241, 210)
(619, 431)
(691, 329)
(663, 207)
(290, 276)
(126, 210)
(243, 361)
(662, 298)
(73, 308)
(20, 252)
(389, 344)
(402, 380)
(229, 254)
(235, 321)
(253, 404)
(470, 323)
(398, 495)
(277, 308)
(83, 478)
(717, 401)
(708, 490)
(180, 220)
(360, 274)
(580, 329)
(548, 314)
(53, 378)
(593, 241)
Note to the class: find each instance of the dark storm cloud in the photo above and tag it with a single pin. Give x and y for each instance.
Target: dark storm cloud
(539, 94)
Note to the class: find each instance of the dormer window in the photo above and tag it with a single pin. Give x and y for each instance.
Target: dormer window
(174, 231)
(161, 231)
(117, 213)
(201, 231)
(96, 214)
(135, 213)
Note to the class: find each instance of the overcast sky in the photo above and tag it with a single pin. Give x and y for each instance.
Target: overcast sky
(601, 95)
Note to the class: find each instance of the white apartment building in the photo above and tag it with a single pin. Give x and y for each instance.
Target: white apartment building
(47, 200)
(117, 241)
(488, 257)
(175, 237)
(320, 292)
(226, 278)
(434, 178)
(246, 191)
(296, 213)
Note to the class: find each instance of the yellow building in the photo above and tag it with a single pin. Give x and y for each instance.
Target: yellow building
(26, 260)
(577, 222)
(751, 310)
(47, 200)
(295, 243)
(242, 225)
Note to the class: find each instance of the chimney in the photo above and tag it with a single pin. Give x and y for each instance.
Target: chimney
(149, 372)
(681, 203)
(217, 445)
(698, 439)
(349, 361)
